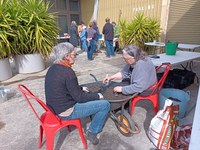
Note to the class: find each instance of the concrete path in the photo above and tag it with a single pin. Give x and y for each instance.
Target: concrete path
(19, 129)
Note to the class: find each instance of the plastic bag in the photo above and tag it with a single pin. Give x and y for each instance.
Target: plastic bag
(163, 125)
(181, 138)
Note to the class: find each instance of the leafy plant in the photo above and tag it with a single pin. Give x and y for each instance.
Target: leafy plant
(40, 28)
(139, 30)
(5, 30)
(27, 27)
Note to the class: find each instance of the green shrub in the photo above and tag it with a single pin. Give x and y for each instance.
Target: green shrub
(30, 27)
(139, 30)
(5, 30)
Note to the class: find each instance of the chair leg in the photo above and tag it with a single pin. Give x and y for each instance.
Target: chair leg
(41, 137)
(82, 136)
(152, 98)
(133, 103)
(69, 129)
(155, 104)
(49, 140)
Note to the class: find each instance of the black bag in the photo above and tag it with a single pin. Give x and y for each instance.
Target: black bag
(178, 78)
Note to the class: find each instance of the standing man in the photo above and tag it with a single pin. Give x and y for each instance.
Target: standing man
(91, 41)
(108, 32)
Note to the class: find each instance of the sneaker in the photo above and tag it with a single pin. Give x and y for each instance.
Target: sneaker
(92, 137)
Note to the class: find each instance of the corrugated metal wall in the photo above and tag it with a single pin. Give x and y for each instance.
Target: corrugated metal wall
(184, 21)
(126, 9)
(87, 8)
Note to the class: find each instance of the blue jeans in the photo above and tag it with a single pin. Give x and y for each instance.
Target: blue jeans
(98, 45)
(91, 49)
(95, 46)
(98, 108)
(109, 48)
(84, 45)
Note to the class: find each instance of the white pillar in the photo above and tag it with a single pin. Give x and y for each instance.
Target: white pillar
(194, 140)
(95, 13)
(164, 18)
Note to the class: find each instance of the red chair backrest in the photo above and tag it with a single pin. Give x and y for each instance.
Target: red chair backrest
(28, 94)
(158, 86)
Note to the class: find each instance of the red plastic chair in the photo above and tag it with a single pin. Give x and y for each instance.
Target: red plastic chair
(154, 91)
(49, 122)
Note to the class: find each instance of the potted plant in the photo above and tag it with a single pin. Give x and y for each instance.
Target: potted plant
(36, 31)
(5, 47)
(139, 30)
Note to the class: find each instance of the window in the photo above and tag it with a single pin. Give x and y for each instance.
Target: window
(67, 11)
(52, 4)
(75, 17)
(74, 5)
(62, 22)
(61, 4)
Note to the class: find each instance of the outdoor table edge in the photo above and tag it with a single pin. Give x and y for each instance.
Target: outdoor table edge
(125, 99)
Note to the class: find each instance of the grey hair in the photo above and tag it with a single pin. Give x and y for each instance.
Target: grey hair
(61, 49)
(135, 52)
(74, 23)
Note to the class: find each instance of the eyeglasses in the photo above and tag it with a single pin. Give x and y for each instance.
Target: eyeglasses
(128, 58)
(74, 55)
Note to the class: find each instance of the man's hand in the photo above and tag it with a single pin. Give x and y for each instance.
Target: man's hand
(106, 79)
(85, 89)
(100, 96)
(117, 89)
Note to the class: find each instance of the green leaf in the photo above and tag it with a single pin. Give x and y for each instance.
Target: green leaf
(139, 30)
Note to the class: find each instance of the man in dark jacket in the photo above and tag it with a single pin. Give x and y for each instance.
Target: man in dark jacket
(108, 32)
(67, 99)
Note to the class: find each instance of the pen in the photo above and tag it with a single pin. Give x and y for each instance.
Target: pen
(107, 81)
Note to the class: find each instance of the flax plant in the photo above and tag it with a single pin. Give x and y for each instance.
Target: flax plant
(26, 27)
(5, 30)
(16, 25)
(139, 30)
(40, 28)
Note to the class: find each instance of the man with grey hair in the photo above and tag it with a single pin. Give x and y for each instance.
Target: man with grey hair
(67, 99)
(139, 69)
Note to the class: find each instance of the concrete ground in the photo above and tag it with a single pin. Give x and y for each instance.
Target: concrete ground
(19, 128)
